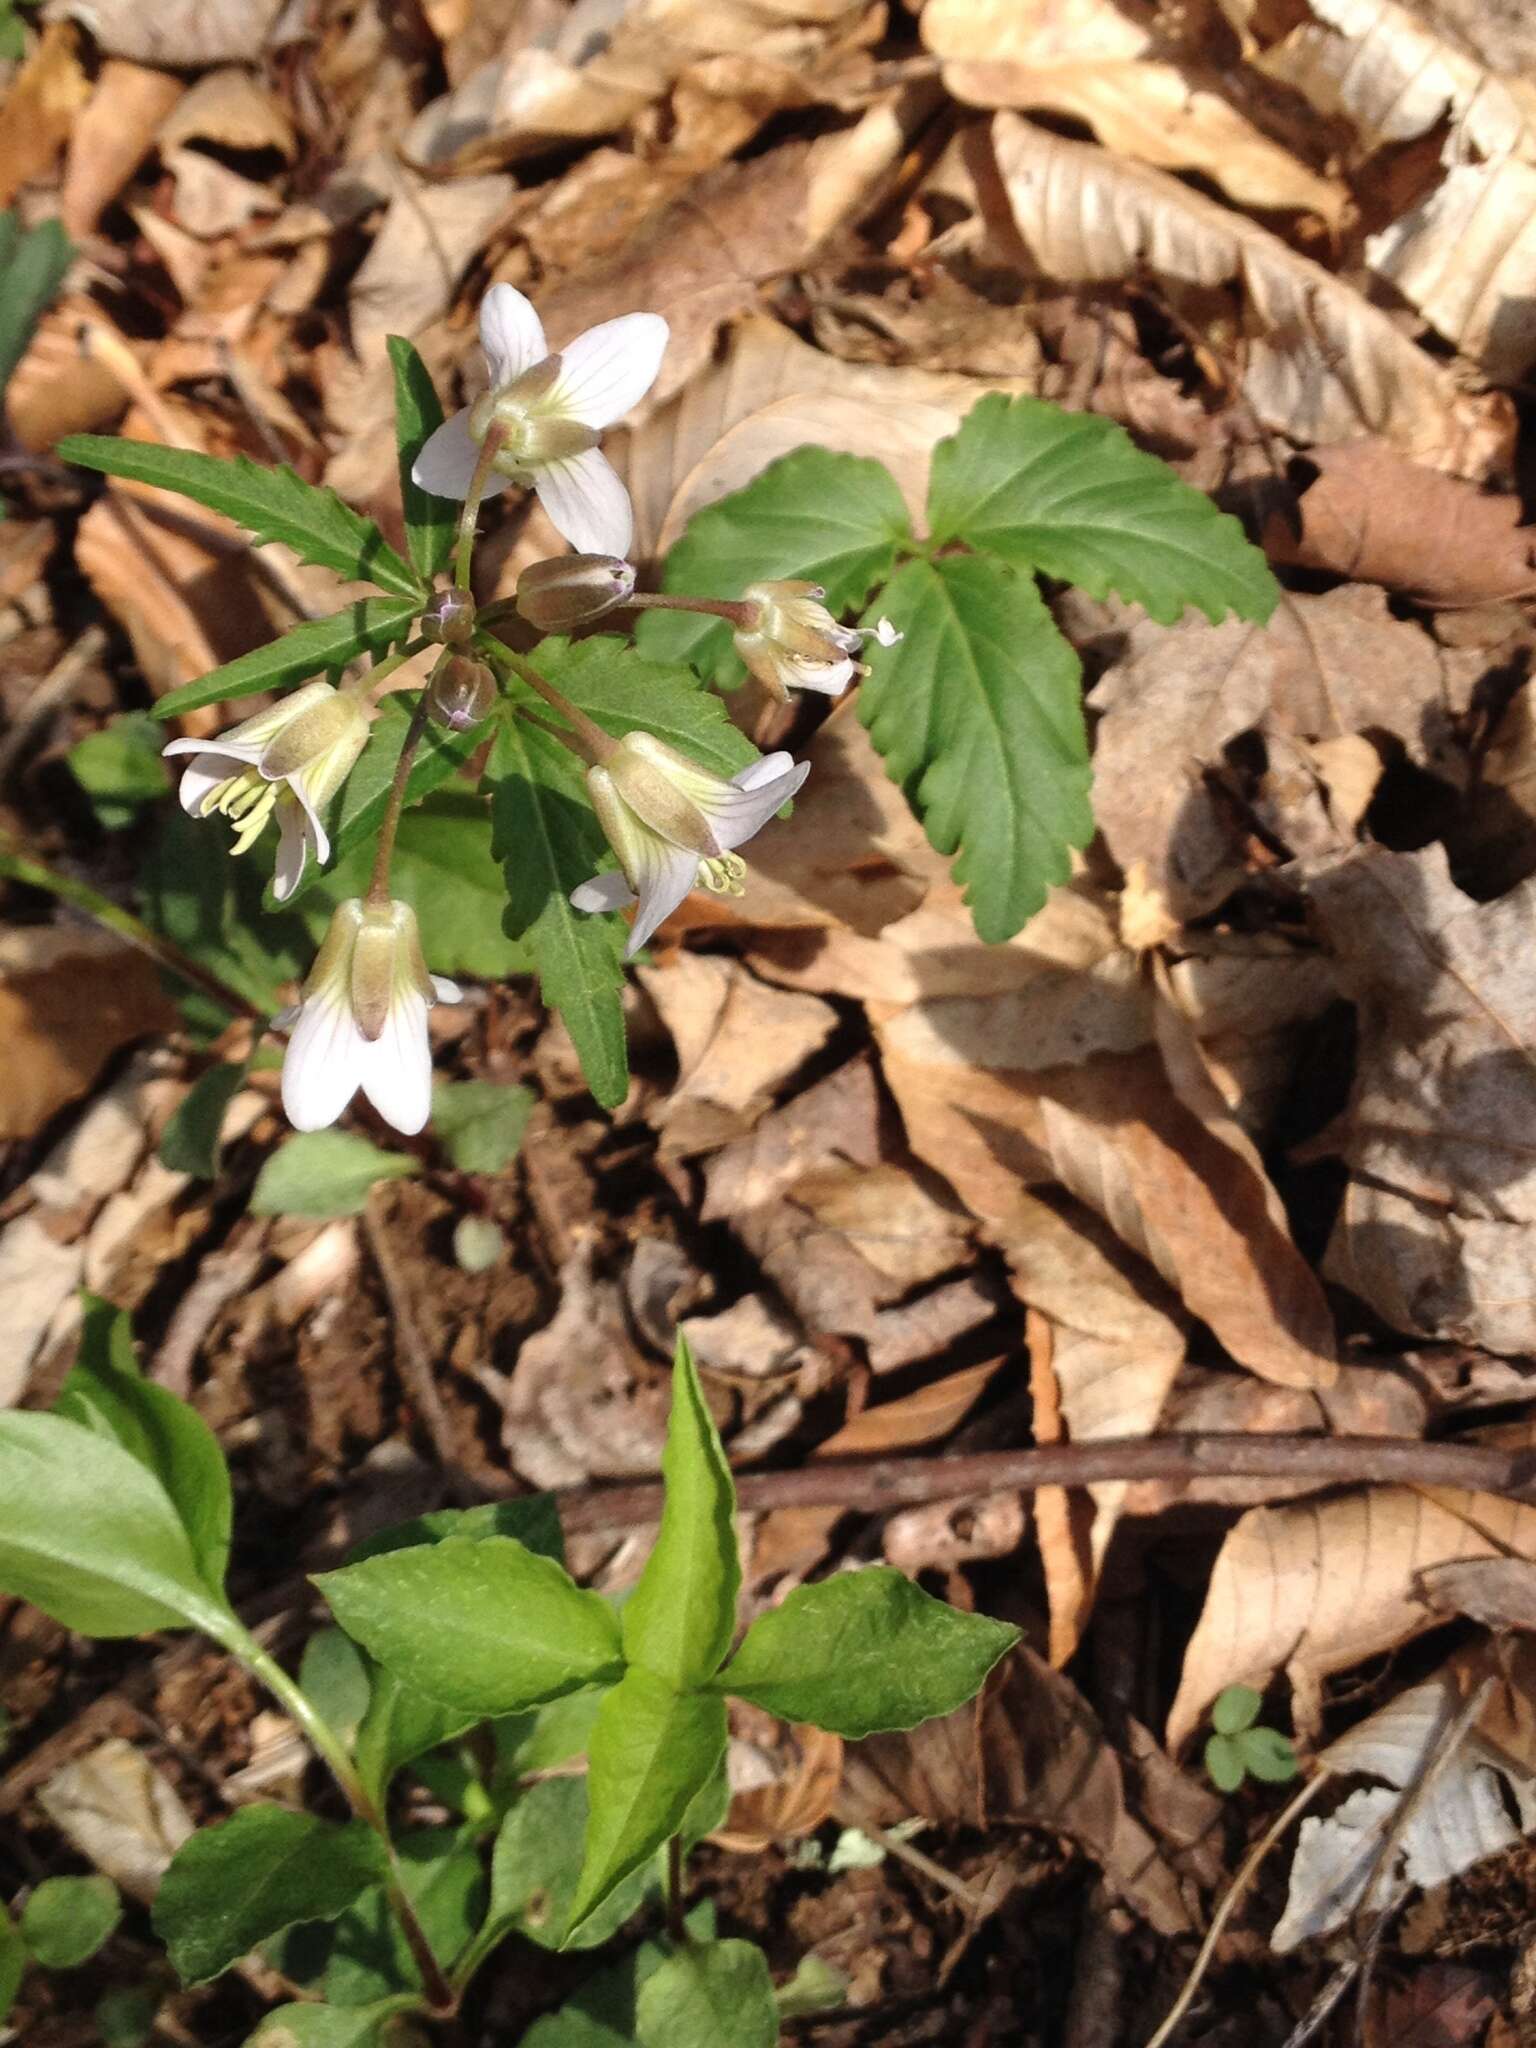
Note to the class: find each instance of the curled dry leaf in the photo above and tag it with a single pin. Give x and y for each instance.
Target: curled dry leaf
(1365, 513)
(1089, 61)
(1500, 1592)
(799, 1771)
(1321, 364)
(40, 107)
(111, 138)
(1313, 1587)
(1466, 257)
(1435, 1227)
(186, 35)
(120, 1813)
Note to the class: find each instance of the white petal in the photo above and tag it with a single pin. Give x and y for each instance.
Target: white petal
(203, 773)
(886, 633)
(446, 991)
(604, 892)
(586, 501)
(831, 677)
(751, 803)
(667, 877)
(609, 369)
(396, 1068)
(511, 333)
(447, 460)
(321, 1067)
(293, 843)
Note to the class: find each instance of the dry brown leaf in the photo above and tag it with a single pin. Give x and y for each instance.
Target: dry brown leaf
(1466, 257)
(945, 1534)
(119, 1813)
(1500, 1592)
(186, 35)
(111, 137)
(793, 1791)
(1089, 61)
(1321, 363)
(1366, 513)
(230, 107)
(1312, 1588)
(69, 998)
(40, 106)
(1030, 1752)
(1435, 1228)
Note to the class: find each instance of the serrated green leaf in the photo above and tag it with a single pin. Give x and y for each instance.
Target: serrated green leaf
(324, 1173)
(1268, 1754)
(272, 504)
(91, 1538)
(815, 515)
(1224, 1764)
(488, 1627)
(864, 1652)
(1072, 495)
(120, 768)
(623, 692)
(652, 1750)
(332, 2026)
(480, 1124)
(442, 1875)
(429, 521)
(266, 1868)
(13, 1963)
(106, 1393)
(979, 717)
(1235, 1708)
(67, 1919)
(367, 626)
(32, 267)
(708, 1993)
(191, 1140)
(549, 842)
(679, 1620)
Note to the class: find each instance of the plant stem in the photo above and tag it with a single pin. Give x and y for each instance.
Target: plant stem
(384, 852)
(369, 683)
(594, 744)
(741, 615)
(464, 546)
(16, 866)
(676, 1926)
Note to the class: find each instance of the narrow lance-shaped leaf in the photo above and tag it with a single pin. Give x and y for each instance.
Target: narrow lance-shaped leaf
(1072, 495)
(273, 504)
(32, 267)
(979, 717)
(862, 1652)
(366, 627)
(679, 1620)
(429, 520)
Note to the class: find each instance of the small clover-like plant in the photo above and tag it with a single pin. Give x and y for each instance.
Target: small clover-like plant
(1238, 1747)
(611, 778)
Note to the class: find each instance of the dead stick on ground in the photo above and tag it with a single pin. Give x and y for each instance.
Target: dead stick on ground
(875, 1485)
(415, 1363)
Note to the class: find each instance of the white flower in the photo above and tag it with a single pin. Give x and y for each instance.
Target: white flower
(795, 643)
(552, 409)
(362, 1021)
(286, 763)
(674, 826)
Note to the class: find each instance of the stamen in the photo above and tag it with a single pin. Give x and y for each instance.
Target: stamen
(723, 873)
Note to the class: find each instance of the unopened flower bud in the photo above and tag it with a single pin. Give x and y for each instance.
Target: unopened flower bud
(461, 694)
(449, 620)
(570, 589)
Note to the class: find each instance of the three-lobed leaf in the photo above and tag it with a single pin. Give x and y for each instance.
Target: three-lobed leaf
(324, 1173)
(487, 1627)
(67, 1919)
(708, 1993)
(652, 1751)
(979, 718)
(863, 1652)
(429, 521)
(679, 1620)
(272, 504)
(1071, 495)
(367, 626)
(266, 1868)
(814, 515)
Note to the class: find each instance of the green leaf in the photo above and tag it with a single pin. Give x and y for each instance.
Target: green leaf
(652, 1750)
(1235, 1708)
(330, 2026)
(445, 870)
(429, 521)
(324, 1173)
(333, 1677)
(546, 836)
(106, 1393)
(272, 504)
(1269, 1755)
(623, 692)
(488, 1627)
(125, 2018)
(535, 1868)
(679, 1620)
(526, 1743)
(979, 717)
(831, 519)
(480, 1124)
(600, 2013)
(91, 1538)
(120, 768)
(32, 267)
(266, 1868)
(192, 1139)
(1071, 494)
(13, 1963)
(367, 626)
(533, 1518)
(67, 1919)
(443, 1876)
(863, 1652)
(1224, 1764)
(708, 1993)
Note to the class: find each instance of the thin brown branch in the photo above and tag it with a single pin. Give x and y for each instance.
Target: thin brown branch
(877, 1485)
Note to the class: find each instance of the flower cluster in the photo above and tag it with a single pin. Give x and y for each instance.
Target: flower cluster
(673, 825)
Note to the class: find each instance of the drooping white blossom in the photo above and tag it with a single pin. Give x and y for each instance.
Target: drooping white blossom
(675, 826)
(794, 643)
(552, 410)
(287, 764)
(361, 1021)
